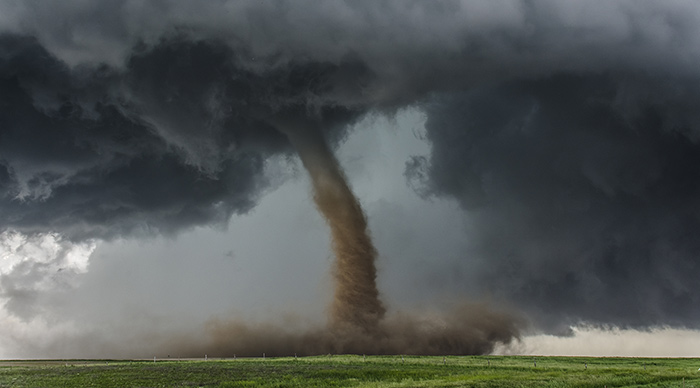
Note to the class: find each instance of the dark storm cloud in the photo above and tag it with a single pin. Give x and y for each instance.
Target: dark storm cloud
(176, 138)
(568, 130)
(585, 190)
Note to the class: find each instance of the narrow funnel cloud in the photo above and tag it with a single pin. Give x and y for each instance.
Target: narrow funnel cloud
(356, 301)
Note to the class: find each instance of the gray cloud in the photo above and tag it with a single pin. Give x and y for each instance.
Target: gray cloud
(566, 130)
(177, 138)
(585, 191)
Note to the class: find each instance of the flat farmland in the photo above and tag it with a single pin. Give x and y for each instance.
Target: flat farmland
(356, 371)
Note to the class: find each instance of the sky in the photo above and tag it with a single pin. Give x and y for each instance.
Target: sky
(541, 158)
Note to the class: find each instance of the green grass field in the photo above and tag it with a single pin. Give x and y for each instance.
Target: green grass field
(356, 371)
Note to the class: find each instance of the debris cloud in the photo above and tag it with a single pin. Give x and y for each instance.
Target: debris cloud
(467, 329)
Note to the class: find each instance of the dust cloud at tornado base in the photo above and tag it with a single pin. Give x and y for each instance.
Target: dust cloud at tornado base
(467, 329)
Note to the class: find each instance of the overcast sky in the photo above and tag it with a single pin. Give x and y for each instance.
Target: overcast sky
(542, 157)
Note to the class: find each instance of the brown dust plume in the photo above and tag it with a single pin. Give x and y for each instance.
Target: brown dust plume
(356, 303)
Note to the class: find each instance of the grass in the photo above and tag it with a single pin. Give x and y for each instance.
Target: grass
(356, 371)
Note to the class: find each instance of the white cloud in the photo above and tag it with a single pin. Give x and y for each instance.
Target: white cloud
(590, 341)
(46, 248)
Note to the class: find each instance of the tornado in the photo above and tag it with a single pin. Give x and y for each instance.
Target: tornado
(356, 304)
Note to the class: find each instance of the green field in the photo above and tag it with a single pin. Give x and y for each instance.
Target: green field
(357, 371)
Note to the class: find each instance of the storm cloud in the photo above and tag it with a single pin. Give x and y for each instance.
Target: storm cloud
(177, 138)
(584, 189)
(568, 132)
